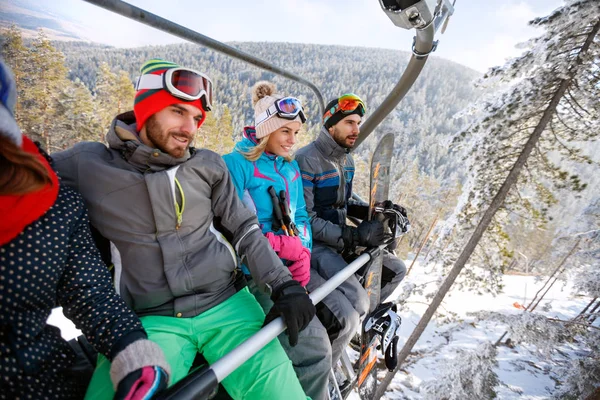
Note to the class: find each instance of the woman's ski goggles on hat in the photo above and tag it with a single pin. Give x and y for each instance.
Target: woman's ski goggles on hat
(286, 108)
(182, 83)
(347, 103)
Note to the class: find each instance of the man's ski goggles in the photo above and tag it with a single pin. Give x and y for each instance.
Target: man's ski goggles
(286, 108)
(182, 83)
(347, 103)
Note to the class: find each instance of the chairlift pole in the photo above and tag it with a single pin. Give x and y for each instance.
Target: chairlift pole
(426, 16)
(154, 21)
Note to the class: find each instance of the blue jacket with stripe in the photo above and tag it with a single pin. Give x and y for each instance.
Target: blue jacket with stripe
(327, 174)
(253, 178)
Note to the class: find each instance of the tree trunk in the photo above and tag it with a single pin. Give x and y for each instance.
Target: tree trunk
(555, 272)
(485, 220)
(593, 312)
(586, 308)
(433, 239)
(422, 244)
(595, 395)
(449, 240)
(531, 305)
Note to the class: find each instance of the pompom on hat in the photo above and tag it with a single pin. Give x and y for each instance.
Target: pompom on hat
(150, 101)
(8, 101)
(264, 96)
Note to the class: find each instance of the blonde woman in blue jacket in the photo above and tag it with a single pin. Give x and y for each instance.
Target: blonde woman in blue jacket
(261, 160)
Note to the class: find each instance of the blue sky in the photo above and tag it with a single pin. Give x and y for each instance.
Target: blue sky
(481, 34)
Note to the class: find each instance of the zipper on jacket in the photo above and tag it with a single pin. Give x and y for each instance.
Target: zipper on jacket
(287, 190)
(178, 209)
(342, 187)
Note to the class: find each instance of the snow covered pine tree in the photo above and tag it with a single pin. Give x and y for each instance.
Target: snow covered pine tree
(552, 101)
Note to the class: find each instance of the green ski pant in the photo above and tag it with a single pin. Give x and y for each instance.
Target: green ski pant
(266, 375)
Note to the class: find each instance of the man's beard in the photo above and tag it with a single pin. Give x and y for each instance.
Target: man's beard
(341, 141)
(159, 138)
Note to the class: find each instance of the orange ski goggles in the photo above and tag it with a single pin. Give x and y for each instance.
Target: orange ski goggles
(346, 104)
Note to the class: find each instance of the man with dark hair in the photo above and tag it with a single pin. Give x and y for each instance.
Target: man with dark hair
(177, 227)
(327, 173)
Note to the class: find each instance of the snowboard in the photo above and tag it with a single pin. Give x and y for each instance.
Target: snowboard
(370, 338)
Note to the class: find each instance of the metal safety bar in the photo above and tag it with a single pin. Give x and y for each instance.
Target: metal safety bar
(154, 21)
(200, 384)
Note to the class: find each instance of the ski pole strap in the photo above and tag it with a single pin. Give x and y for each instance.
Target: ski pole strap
(277, 210)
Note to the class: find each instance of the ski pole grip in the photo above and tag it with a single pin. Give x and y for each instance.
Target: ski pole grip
(276, 208)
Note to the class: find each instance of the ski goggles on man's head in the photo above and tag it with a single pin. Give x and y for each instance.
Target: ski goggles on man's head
(286, 108)
(347, 103)
(182, 83)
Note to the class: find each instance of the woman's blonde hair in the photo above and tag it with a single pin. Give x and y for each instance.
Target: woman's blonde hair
(255, 152)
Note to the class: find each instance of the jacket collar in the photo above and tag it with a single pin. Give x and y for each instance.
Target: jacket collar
(326, 145)
(249, 141)
(122, 136)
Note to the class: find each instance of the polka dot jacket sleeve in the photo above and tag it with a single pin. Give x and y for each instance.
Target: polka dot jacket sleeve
(87, 295)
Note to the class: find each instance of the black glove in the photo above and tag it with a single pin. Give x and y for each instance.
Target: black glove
(389, 205)
(367, 234)
(360, 211)
(401, 210)
(293, 304)
(401, 223)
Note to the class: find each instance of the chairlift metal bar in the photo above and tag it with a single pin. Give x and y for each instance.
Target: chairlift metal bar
(154, 21)
(202, 382)
(418, 16)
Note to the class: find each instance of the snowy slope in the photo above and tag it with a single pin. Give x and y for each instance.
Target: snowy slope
(521, 370)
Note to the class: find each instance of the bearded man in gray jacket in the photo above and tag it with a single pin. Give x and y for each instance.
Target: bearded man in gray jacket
(177, 228)
(327, 176)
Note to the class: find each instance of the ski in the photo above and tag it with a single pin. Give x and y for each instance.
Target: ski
(370, 337)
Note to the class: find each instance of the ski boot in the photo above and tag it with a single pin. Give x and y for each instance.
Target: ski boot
(385, 322)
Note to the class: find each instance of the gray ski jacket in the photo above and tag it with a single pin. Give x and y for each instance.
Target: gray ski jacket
(175, 225)
(327, 174)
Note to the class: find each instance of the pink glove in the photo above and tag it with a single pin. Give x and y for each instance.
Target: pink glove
(287, 247)
(300, 269)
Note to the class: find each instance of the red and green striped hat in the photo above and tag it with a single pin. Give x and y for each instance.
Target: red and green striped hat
(150, 101)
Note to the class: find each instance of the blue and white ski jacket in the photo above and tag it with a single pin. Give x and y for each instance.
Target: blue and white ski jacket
(253, 178)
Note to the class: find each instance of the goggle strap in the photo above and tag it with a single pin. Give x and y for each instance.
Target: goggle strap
(149, 81)
(265, 115)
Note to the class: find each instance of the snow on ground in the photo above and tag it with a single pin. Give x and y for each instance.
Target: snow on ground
(67, 328)
(521, 370)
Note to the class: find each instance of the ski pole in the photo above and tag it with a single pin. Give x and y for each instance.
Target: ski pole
(277, 209)
(286, 213)
(200, 383)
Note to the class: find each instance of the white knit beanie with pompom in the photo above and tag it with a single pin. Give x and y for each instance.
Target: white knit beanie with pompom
(264, 96)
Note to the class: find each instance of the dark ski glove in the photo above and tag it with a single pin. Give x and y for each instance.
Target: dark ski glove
(367, 234)
(139, 371)
(360, 211)
(400, 224)
(293, 304)
(397, 207)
